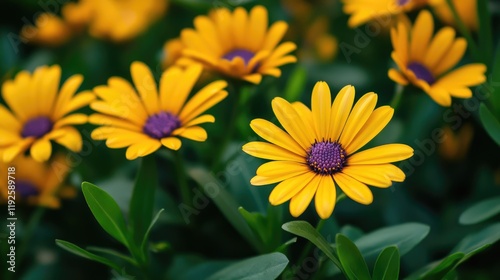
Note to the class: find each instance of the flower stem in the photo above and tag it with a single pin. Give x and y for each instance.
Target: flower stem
(398, 94)
(231, 125)
(186, 194)
(465, 32)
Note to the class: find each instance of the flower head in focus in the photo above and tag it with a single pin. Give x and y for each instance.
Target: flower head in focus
(319, 150)
(37, 183)
(40, 112)
(144, 122)
(426, 61)
(363, 11)
(237, 44)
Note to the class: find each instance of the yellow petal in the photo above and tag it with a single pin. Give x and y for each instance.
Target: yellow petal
(71, 120)
(275, 135)
(81, 100)
(358, 117)
(321, 109)
(277, 171)
(305, 113)
(379, 118)
(353, 188)
(169, 81)
(203, 100)
(67, 91)
(293, 124)
(325, 198)
(8, 137)
(142, 149)
(186, 82)
(41, 150)
(440, 95)
(340, 111)
(122, 93)
(50, 86)
(451, 57)
(173, 143)
(70, 139)
(274, 35)
(9, 122)
(257, 27)
(270, 151)
(124, 139)
(8, 154)
(300, 201)
(285, 190)
(367, 175)
(439, 46)
(194, 133)
(397, 77)
(146, 86)
(421, 35)
(381, 154)
(201, 119)
(112, 121)
(467, 75)
(207, 31)
(240, 27)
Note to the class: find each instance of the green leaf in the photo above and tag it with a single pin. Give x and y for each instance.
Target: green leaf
(148, 231)
(114, 253)
(106, 212)
(387, 264)
(480, 211)
(268, 266)
(484, 30)
(495, 77)
(490, 123)
(351, 259)
(72, 248)
(143, 198)
(444, 267)
(404, 236)
(479, 241)
(305, 230)
(296, 84)
(225, 202)
(352, 232)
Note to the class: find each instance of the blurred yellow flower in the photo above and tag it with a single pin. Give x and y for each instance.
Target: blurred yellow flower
(121, 20)
(237, 44)
(36, 183)
(40, 112)
(362, 11)
(467, 11)
(425, 61)
(456, 145)
(144, 122)
(78, 14)
(319, 148)
(48, 30)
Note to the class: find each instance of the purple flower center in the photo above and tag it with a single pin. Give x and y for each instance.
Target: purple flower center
(402, 2)
(246, 55)
(422, 72)
(161, 125)
(26, 189)
(326, 157)
(37, 127)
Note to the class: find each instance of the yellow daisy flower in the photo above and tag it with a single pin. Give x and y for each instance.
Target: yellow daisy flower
(467, 11)
(36, 183)
(319, 150)
(238, 44)
(363, 11)
(41, 113)
(426, 62)
(144, 122)
(48, 30)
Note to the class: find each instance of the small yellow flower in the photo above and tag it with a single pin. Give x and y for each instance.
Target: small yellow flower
(144, 122)
(238, 44)
(467, 11)
(362, 11)
(319, 150)
(36, 183)
(48, 30)
(41, 113)
(426, 62)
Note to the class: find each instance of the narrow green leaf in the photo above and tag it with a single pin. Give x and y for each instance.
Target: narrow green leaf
(494, 81)
(143, 198)
(72, 248)
(307, 231)
(114, 253)
(477, 242)
(490, 123)
(404, 236)
(148, 231)
(444, 267)
(106, 212)
(268, 266)
(256, 221)
(387, 264)
(480, 211)
(225, 202)
(485, 34)
(351, 259)
(296, 84)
